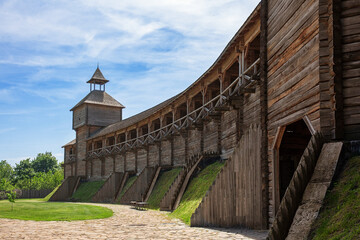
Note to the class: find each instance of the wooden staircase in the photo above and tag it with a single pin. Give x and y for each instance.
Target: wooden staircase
(172, 197)
(122, 184)
(141, 186)
(152, 185)
(294, 193)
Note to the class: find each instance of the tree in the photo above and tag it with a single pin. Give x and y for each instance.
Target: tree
(11, 197)
(45, 162)
(23, 170)
(6, 171)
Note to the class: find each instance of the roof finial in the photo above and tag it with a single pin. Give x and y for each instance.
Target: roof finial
(98, 64)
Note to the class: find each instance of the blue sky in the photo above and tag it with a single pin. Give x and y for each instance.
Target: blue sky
(149, 50)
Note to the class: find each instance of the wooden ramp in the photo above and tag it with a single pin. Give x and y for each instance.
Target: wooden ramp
(108, 191)
(186, 181)
(66, 189)
(315, 191)
(138, 190)
(122, 184)
(172, 197)
(167, 202)
(151, 187)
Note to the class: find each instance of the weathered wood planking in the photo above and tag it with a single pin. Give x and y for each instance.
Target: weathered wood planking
(350, 28)
(235, 199)
(292, 68)
(138, 189)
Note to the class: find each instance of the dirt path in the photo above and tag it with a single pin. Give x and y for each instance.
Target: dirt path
(127, 223)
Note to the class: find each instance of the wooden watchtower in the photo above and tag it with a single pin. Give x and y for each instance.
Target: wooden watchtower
(96, 110)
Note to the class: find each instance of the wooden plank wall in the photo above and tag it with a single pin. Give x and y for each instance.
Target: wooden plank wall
(350, 24)
(234, 199)
(228, 132)
(210, 136)
(141, 159)
(81, 135)
(293, 68)
(165, 153)
(194, 140)
(109, 166)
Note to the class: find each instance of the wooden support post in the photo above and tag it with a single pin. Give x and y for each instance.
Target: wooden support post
(113, 156)
(172, 151)
(124, 161)
(264, 114)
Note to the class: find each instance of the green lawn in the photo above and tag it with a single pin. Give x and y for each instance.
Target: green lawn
(163, 184)
(39, 210)
(128, 184)
(196, 191)
(340, 215)
(86, 191)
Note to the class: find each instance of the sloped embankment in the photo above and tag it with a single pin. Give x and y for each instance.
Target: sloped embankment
(195, 192)
(86, 191)
(162, 185)
(340, 214)
(128, 184)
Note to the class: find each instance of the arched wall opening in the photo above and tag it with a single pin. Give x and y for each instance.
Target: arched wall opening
(291, 142)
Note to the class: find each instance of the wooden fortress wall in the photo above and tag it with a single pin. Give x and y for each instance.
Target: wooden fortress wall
(292, 72)
(309, 72)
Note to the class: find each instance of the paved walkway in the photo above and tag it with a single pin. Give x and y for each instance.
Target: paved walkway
(127, 223)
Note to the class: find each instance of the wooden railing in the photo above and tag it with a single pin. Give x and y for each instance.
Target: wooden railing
(247, 78)
(70, 158)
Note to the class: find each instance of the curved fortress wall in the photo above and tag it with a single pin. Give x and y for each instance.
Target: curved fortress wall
(308, 83)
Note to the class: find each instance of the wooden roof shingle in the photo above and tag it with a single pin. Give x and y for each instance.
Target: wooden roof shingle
(99, 98)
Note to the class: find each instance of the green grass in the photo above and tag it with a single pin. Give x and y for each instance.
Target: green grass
(38, 210)
(86, 191)
(162, 185)
(128, 184)
(340, 215)
(196, 191)
(50, 194)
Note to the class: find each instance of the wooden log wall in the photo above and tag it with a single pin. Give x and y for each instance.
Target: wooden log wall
(166, 153)
(228, 132)
(350, 29)
(194, 141)
(210, 136)
(234, 199)
(292, 69)
(119, 163)
(81, 135)
(142, 156)
(109, 166)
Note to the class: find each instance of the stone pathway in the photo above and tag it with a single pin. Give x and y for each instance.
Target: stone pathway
(127, 223)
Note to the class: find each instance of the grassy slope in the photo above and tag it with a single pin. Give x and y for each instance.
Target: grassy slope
(50, 194)
(195, 192)
(162, 185)
(38, 210)
(340, 216)
(128, 184)
(87, 190)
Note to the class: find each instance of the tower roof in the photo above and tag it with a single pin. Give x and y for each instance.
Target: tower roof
(98, 77)
(99, 98)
